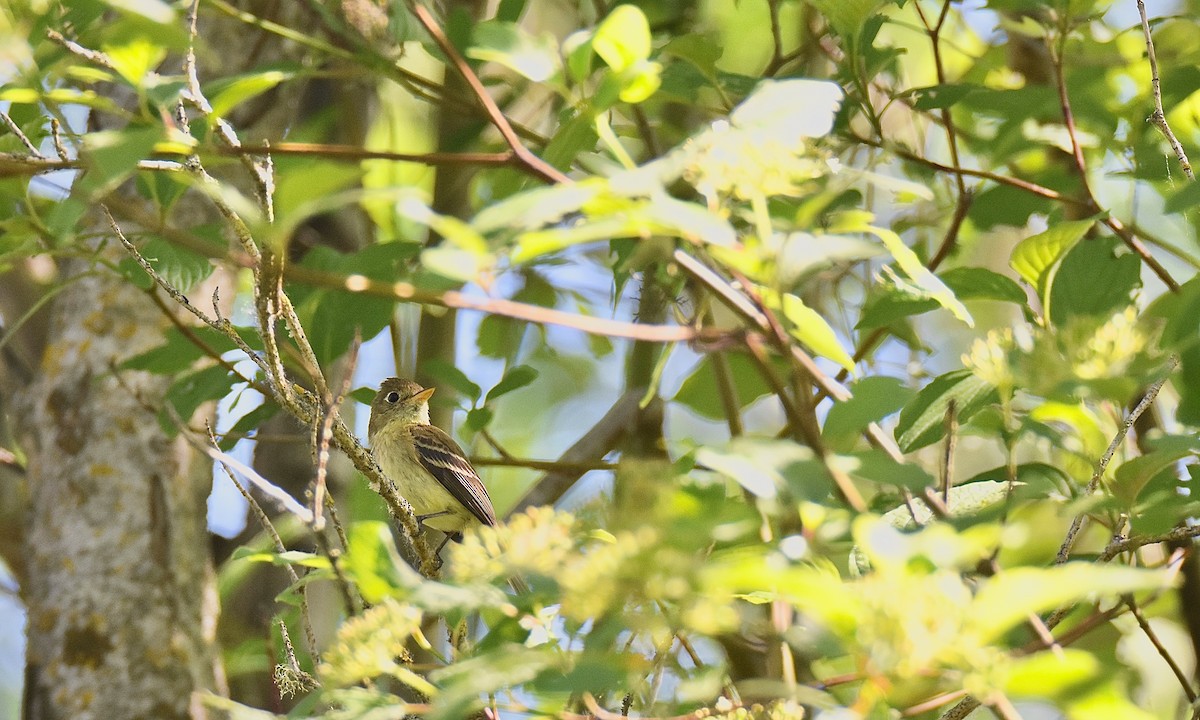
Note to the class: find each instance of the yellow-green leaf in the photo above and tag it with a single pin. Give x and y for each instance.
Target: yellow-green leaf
(811, 329)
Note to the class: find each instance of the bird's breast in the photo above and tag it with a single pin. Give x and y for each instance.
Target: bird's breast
(422, 490)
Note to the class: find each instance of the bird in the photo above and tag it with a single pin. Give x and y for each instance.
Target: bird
(430, 470)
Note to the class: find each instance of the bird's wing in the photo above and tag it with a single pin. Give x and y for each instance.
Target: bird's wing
(446, 461)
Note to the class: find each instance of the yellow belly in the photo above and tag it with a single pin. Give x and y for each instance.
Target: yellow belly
(426, 495)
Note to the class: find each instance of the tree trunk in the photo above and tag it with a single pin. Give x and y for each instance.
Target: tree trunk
(119, 592)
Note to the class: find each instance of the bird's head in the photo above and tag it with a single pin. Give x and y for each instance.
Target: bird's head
(399, 401)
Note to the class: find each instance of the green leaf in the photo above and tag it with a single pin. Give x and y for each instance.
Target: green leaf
(898, 301)
(515, 379)
(249, 424)
(623, 38)
(876, 466)
(640, 81)
(874, 399)
(1183, 200)
(372, 562)
(1006, 599)
(976, 283)
(134, 57)
(810, 328)
(1037, 257)
(764, 466)
(179, 266)
(507, 44)
(536, 208)
(178, 353)
(331, 317)
(699, 391)
(1094, 280)
(112, 155)
(479, 418)
(911, 265)
(283, 559)
(363, 395)
(227, 93)
(939, 97)
(1049, 675)
(964, 500)
(847, 16)
(923, 421)
(534, 244)
(575, 135)
(1134, 474)
(446, 374)
(191, 391)
(464, 682)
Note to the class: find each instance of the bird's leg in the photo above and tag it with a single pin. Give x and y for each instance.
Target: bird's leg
(456, 537)
(422, 518)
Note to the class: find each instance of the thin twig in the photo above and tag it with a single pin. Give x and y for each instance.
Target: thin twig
(1090, 202)
(355, 153)
(15, 129)
(499, 306)
(1064, 552)
(538, 166)
(932, 703)
(947, 466)
(93, 56)
(280, 548)
(324, 430)
(223, 327)
(1152, 636)
(1159, 116)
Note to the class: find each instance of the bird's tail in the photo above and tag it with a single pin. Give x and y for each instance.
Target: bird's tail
(519, 585)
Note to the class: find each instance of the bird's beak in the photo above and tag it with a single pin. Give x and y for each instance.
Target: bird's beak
(424, 395)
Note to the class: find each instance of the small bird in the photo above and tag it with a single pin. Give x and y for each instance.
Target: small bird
(430, 470)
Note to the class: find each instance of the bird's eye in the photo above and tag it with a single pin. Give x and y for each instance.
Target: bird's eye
(392, 397)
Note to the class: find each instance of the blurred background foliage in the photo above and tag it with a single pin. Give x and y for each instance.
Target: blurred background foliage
(903, 271)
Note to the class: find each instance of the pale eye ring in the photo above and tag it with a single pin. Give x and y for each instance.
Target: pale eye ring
(392, 397)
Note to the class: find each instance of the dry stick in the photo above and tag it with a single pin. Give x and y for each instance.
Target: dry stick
(538, 166)
(15, 129)
(355, 153)
(222, 327)
(932, 704)
(948, 450)
(1144, 624)
(934, 32)
(323, 430)
(1064, 552)
(1118, 547)
(1159, 117)
(280, 548)
(56, 137)
(406, 292)
(92, 56)
(190, 335)
(225, 131)
(1081, 167)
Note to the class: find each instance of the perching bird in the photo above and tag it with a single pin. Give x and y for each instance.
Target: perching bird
(430, 470)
